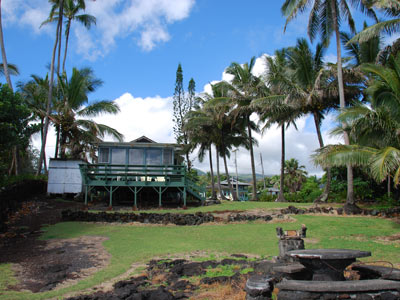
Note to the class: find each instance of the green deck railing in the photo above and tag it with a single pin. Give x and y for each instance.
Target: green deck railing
(159, 177)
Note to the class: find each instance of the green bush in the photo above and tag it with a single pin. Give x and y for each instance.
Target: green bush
(9, 180)
(266, 197)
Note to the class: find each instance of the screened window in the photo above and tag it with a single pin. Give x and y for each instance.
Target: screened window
(118, 156)
(167, 159)
(153, 157)
(136, 156)
(104, 155)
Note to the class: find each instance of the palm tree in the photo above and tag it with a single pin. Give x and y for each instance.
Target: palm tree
(392, 9)
(198, 127)
(277, 108)
(34, 93)
(374, 128)
(295, 175)
(51, 83)
(311, 81)
(230, 132)
(325, 19)
(70, 13)
(242, 90)
(5, 65)
(12, 69)
(76, 133)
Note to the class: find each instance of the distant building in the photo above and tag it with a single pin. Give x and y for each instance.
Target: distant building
(242, 188)
(272, 191)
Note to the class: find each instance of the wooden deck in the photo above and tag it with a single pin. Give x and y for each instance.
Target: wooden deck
(136, 177)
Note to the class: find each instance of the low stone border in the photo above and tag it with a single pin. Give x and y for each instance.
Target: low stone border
(200, 218)
(387, 213)
(146, 218)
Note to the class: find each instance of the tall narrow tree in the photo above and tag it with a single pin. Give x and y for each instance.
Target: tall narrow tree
(182, 105)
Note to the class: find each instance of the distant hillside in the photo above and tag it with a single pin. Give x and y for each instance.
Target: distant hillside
(249, 177)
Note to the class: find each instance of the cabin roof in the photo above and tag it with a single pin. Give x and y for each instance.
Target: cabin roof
(143, 139)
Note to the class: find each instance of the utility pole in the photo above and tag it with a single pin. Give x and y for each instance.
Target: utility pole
(262, 168)
(237, 179)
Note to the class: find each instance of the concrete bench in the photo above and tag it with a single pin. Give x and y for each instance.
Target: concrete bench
(339, 286)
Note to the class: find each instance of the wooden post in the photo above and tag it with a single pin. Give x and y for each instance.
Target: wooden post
(111, 196)
(159, 196)
(86, 192)
(135, 205)
(184, 197)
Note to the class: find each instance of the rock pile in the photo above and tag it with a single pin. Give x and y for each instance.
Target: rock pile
(146, 218)
(173, 276)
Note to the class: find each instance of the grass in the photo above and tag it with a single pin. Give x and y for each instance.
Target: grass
(129, 244)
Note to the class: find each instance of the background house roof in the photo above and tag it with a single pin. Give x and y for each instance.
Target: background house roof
(143, 139)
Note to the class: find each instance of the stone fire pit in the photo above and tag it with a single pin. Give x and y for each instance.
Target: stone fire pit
(318, 274)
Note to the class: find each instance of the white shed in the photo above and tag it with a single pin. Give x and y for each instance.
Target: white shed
(64, 176)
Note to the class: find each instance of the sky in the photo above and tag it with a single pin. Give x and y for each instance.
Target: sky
(135, 49)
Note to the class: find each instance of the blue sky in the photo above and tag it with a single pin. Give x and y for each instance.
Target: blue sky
(136, 47)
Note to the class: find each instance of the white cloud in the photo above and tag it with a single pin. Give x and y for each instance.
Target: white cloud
(146, 21)
(26, 13)
(151, 116)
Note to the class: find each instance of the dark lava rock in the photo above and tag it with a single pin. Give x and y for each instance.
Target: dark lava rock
(217, 279)
(182, 285)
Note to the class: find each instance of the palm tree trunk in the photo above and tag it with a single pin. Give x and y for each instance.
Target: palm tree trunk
(57, 141)
(16, 158)
(281, 197)
(350, 203)
(253, 168)
(213, 193)
(60, 15)
(229, 180)
(325, 194)
(3, 54)
(66, 43)
(50, 95)
(221, 194)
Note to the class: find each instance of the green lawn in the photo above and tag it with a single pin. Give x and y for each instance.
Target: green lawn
(128, 244)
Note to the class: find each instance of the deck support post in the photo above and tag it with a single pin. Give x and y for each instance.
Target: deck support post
(184, 197)
(86, 194)
(111, 196)
(159, 197)
(135, 204)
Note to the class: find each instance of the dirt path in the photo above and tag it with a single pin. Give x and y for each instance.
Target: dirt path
(46, 265)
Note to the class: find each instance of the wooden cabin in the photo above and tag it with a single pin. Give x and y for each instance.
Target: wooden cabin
(143, 168)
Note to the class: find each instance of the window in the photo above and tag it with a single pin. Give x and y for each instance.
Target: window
(153, 157)
(104, 155)
(167, 159)
(118, 156)
(136, 156)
